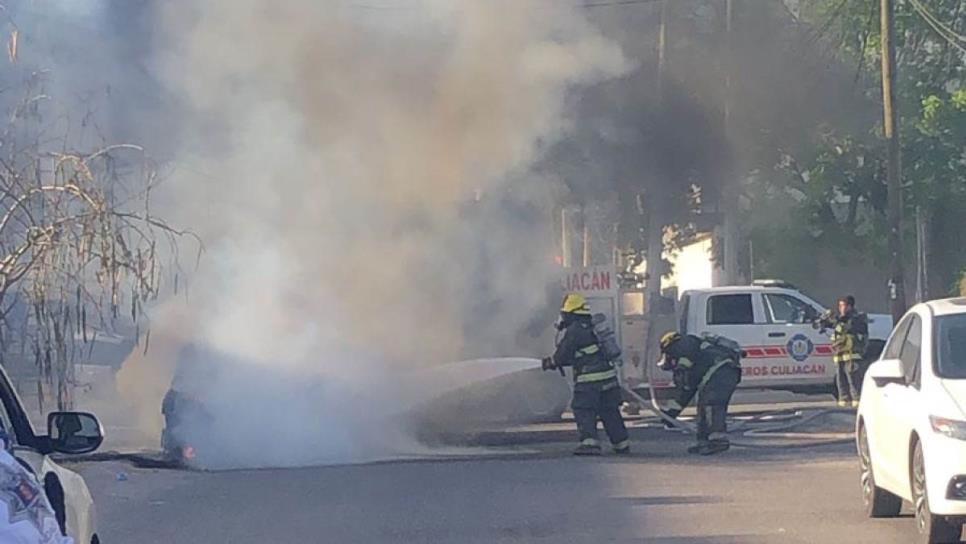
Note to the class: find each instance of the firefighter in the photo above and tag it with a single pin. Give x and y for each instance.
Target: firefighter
(850, 335)
(708, 372)
(597, 392)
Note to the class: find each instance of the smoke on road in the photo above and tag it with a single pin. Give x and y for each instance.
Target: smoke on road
(360, 176)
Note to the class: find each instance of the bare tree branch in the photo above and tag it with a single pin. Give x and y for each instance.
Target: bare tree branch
(78, 241)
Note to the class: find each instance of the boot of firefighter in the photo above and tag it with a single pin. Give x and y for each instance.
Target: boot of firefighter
(699, 448)
(710, 447)
(588, 447)
(704, 430)
(718, 437)
(622, 448)
(672, 411)
(717, 443)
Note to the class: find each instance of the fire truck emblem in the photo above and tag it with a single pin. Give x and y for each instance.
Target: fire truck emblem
(800, 347)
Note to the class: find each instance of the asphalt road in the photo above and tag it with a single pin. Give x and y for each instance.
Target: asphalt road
(659, 495)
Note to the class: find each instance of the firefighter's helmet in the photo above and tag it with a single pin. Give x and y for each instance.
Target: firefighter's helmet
(575, 303)
(669, 339)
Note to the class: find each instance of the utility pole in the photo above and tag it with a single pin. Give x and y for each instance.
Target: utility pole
(890, 123)
(922, 256)
(729, 187)
(655, 217)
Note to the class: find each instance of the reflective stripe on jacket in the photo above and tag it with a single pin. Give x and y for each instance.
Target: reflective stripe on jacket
(578, 348)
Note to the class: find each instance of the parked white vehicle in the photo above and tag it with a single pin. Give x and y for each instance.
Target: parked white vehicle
(772, 321)
(68, 433)
(911, 424)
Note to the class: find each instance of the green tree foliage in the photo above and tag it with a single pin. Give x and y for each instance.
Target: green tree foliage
(634, 142)
(833, 193)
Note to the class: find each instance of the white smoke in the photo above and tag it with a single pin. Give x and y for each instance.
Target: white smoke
(85, 9)
(331, 159)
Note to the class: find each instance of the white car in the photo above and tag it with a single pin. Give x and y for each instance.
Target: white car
(911, 424)
(68, 433)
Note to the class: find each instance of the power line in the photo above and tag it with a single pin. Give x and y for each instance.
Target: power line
(931, 16)
(946, 33)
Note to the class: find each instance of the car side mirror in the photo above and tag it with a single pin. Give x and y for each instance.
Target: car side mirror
(885, 371)
(74, 432)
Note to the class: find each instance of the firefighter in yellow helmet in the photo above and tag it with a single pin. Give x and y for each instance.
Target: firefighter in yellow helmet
(597, 393)
(684, 389)
(708, 369)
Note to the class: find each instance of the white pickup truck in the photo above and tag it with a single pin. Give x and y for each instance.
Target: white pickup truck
(773, 323)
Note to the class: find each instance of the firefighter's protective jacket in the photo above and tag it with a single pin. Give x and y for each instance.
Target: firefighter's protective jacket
(579, 348)
(850, 337)
(697, 361)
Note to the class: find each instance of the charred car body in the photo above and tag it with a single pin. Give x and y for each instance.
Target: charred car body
(222, 410)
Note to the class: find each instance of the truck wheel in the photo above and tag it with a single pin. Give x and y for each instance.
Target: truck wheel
(879, 503)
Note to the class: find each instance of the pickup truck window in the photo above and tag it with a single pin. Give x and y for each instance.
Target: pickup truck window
(787, 309)
(730, 310)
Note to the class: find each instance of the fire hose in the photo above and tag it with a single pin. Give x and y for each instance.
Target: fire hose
(780, 431)
(775, 431)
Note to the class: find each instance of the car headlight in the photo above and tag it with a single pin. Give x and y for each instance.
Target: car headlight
(949, 427)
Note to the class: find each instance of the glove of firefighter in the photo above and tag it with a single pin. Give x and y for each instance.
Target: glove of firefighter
(824, 321)
(667, 364)
(547, 364)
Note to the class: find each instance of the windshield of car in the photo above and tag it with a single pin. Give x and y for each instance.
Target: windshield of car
(951, 346)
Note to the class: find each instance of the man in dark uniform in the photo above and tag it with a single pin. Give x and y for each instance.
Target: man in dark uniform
(597, 392)
(709, 372)
(850, 337)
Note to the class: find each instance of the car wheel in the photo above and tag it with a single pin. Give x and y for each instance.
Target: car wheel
(932, 529)
(879, 503)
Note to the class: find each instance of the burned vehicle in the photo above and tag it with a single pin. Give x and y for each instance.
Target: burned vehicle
(224, 411)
